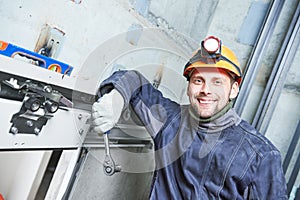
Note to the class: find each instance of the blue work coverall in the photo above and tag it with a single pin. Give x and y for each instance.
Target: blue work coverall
(221, 159)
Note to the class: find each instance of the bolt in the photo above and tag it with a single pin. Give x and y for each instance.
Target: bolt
(29, 123)
(48, 88)
(81, 131)
(14, 130)
(36, 130)
(80, 116)
(108, 169)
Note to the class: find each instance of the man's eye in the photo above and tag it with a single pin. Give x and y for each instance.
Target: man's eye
(218, 82)
(198, 81)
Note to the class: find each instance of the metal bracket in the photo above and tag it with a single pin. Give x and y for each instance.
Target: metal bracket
(31, 119)
(50, 41)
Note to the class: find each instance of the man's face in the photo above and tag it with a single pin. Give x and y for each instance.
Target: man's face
(209, 91)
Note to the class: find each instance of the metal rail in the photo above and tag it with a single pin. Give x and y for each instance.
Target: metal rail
(294, 174)
(257, 53)
(278, 75)
(291, 149)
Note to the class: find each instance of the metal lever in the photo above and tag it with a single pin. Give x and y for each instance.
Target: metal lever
(109, 165)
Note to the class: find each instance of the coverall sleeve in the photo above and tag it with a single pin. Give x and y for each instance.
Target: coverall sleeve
(269, 181)
(148, 103)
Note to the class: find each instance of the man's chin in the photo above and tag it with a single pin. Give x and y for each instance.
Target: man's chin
(205, 113)
(201, 113)
(205, 116)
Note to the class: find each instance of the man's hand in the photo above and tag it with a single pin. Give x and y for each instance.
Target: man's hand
(107, 111)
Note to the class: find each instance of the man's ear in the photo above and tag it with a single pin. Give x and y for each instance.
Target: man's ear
(234, 90)
(187, 89)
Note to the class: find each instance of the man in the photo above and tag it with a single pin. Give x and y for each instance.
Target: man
(203, 150)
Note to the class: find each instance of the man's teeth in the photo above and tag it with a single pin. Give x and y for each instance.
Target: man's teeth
(205, 101)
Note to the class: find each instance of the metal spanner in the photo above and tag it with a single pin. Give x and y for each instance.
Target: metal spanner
(109, 165)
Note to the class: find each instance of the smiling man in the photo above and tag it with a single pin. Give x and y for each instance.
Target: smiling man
(203, 150)
(210, 90)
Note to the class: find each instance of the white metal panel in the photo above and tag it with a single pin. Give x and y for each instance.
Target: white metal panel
(30, 71)
(66, 129)
(15, 184)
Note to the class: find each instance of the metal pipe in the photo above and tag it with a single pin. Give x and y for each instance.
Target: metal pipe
(257, 54)
(291, 149)
(294, 175)
(279, 72)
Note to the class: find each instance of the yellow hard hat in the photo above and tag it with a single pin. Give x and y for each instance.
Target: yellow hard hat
(213, 54)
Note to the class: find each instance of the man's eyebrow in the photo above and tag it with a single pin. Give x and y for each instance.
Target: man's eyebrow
(218, 77)
(197, 76)
(213, 77)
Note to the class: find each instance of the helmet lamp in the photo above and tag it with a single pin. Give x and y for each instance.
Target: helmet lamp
(212, 44)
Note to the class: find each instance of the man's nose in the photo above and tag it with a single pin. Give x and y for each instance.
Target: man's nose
(205, 89)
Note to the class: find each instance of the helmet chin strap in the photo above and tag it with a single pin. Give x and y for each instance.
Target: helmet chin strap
(218, 114)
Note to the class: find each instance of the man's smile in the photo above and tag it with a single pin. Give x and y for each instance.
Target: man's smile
(205, 100)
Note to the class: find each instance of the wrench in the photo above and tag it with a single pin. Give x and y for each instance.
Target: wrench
(109, 165)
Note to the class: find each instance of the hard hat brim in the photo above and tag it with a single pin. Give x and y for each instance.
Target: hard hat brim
(221, 64)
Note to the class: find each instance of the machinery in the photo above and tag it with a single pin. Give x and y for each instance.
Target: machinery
(46, 109)
(32, 98)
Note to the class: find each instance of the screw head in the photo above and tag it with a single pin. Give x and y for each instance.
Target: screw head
(36, 130)
(14, 130)
(29, 123)
(108, 169)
